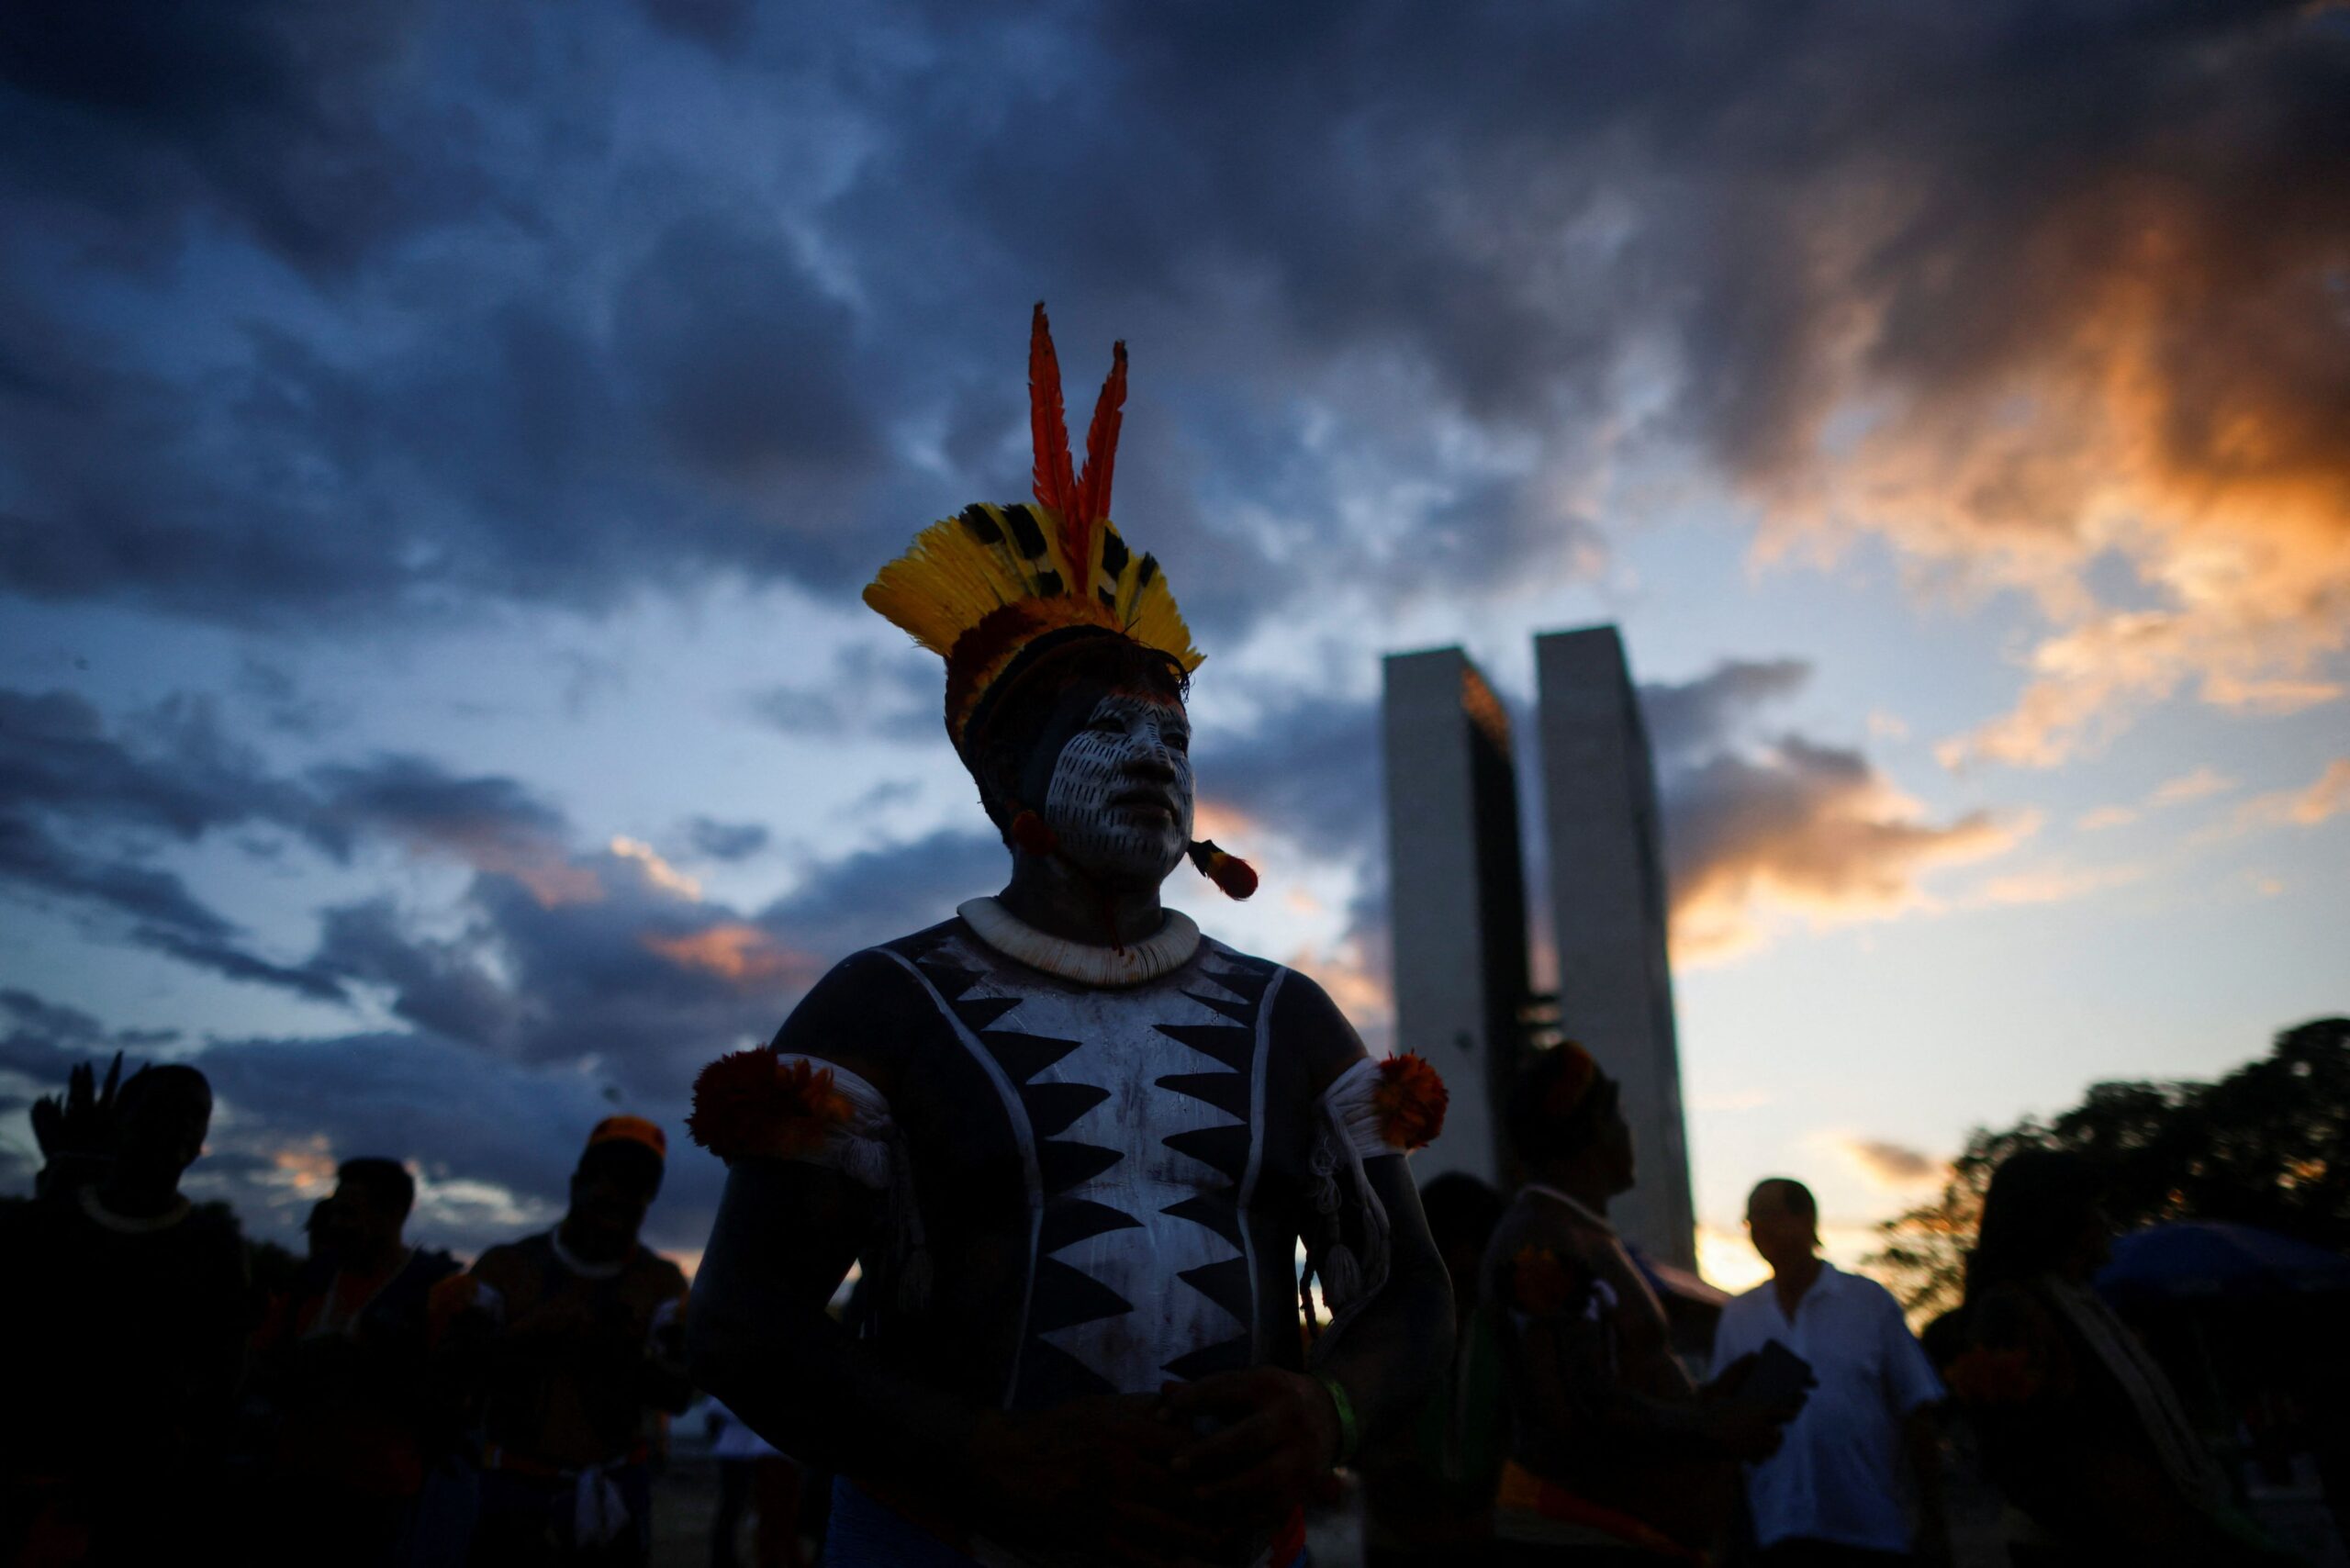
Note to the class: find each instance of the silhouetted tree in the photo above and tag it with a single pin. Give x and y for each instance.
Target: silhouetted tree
(2264, 1145)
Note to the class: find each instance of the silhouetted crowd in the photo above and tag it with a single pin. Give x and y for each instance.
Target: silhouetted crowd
(1572, 1431)
(385, 1404)
(382, 1404)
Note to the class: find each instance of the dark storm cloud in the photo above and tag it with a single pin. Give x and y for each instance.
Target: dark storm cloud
(188, 779)
(743, 362)
(1309, 769)
(1391, 262)
(726, 840)
(877, 894)
(485, 821)
(82, 807)
(79, 812)
(718, 25)
(1704, 715)
(559, 953)
(1759, 828)
(274, 115)
(894, 694)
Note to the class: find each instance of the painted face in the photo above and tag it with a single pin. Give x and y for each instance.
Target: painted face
(1120, 801)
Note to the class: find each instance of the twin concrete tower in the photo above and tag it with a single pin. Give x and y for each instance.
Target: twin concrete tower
(1457, 890)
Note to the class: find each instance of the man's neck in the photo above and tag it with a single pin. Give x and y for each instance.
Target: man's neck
(1794, 1281)
(589, 1253)
(1585, 1188)
(382, 1260)
(139, 1200)
(1057, 899)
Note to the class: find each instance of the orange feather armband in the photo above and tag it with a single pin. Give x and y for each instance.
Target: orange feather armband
(1411, 1100)
(756, 1103)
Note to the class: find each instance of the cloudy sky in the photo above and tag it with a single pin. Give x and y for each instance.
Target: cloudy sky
(440, 447)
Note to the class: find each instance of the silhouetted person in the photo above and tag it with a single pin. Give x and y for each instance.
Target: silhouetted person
(125, 1319)
(1832, 1494)
(2077, 1423)
(1430, 1492)
(571, 1339)
(341, 1359)
(1614, 1455)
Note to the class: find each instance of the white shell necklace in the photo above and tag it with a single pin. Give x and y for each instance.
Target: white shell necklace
(1167, 950)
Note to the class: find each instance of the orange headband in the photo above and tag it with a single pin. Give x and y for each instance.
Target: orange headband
(631, 1129)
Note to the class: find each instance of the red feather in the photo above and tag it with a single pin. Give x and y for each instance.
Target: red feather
(1102, 446)
(1046, 428)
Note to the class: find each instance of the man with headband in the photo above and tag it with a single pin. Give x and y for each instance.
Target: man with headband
(570, 1342)
(1615, 1456)
(1074, 1143)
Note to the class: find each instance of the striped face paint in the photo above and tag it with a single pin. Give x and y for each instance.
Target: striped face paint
(1120, 803)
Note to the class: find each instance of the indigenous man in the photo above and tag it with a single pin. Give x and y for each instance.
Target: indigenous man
(1615, 1456)
(127, 1330)
(342, 1360)
(572, 1338)
(1074, 1142)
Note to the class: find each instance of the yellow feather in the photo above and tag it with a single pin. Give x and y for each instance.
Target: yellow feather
(949, 580)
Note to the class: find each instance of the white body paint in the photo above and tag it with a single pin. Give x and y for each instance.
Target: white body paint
(1120, 803)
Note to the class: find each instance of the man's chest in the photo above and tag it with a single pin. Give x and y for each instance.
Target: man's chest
(1139, 1137)
(1138, 1097)
(1840, 1342)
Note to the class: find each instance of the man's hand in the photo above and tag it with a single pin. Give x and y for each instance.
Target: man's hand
(1747, 1432)
(1275, 1438)
(561, 1325)
(81, 1120)
(1743, 1428)
(1096, 1472)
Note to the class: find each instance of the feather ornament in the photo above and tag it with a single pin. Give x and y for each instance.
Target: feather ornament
(1081, 530)
(1411, 1101)
(753, 1103)
(1047, 428)
(977, 588)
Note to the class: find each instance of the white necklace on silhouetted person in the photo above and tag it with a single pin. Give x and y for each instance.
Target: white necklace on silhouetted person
(580, 1266)
(133, 1225)
(1163, 953)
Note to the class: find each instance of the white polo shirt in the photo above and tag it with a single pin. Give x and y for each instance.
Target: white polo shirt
(1837, 1477)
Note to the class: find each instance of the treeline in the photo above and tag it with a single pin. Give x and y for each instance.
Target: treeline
(2264, 1145)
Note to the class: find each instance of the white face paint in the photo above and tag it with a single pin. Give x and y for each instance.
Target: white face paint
(1120, 801)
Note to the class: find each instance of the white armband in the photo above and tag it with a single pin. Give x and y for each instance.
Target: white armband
(858, 1147)
(1351, 1104)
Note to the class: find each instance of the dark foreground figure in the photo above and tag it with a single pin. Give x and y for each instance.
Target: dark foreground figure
(1074, 1142)
(342, 1363)
(126, 1331)
(2078, 1425)
(567, 1343)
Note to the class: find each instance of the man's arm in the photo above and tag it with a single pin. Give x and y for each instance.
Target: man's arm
(758, 1337)
(1390, 1354)
(1915, 1396)
(1562, 1318)
(663, 1380)
(1921, 1435)
(1278, 1432)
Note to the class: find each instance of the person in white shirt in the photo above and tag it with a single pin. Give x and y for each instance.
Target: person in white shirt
(1832, 1493)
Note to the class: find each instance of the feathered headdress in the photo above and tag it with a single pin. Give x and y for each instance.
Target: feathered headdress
(994, 589)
